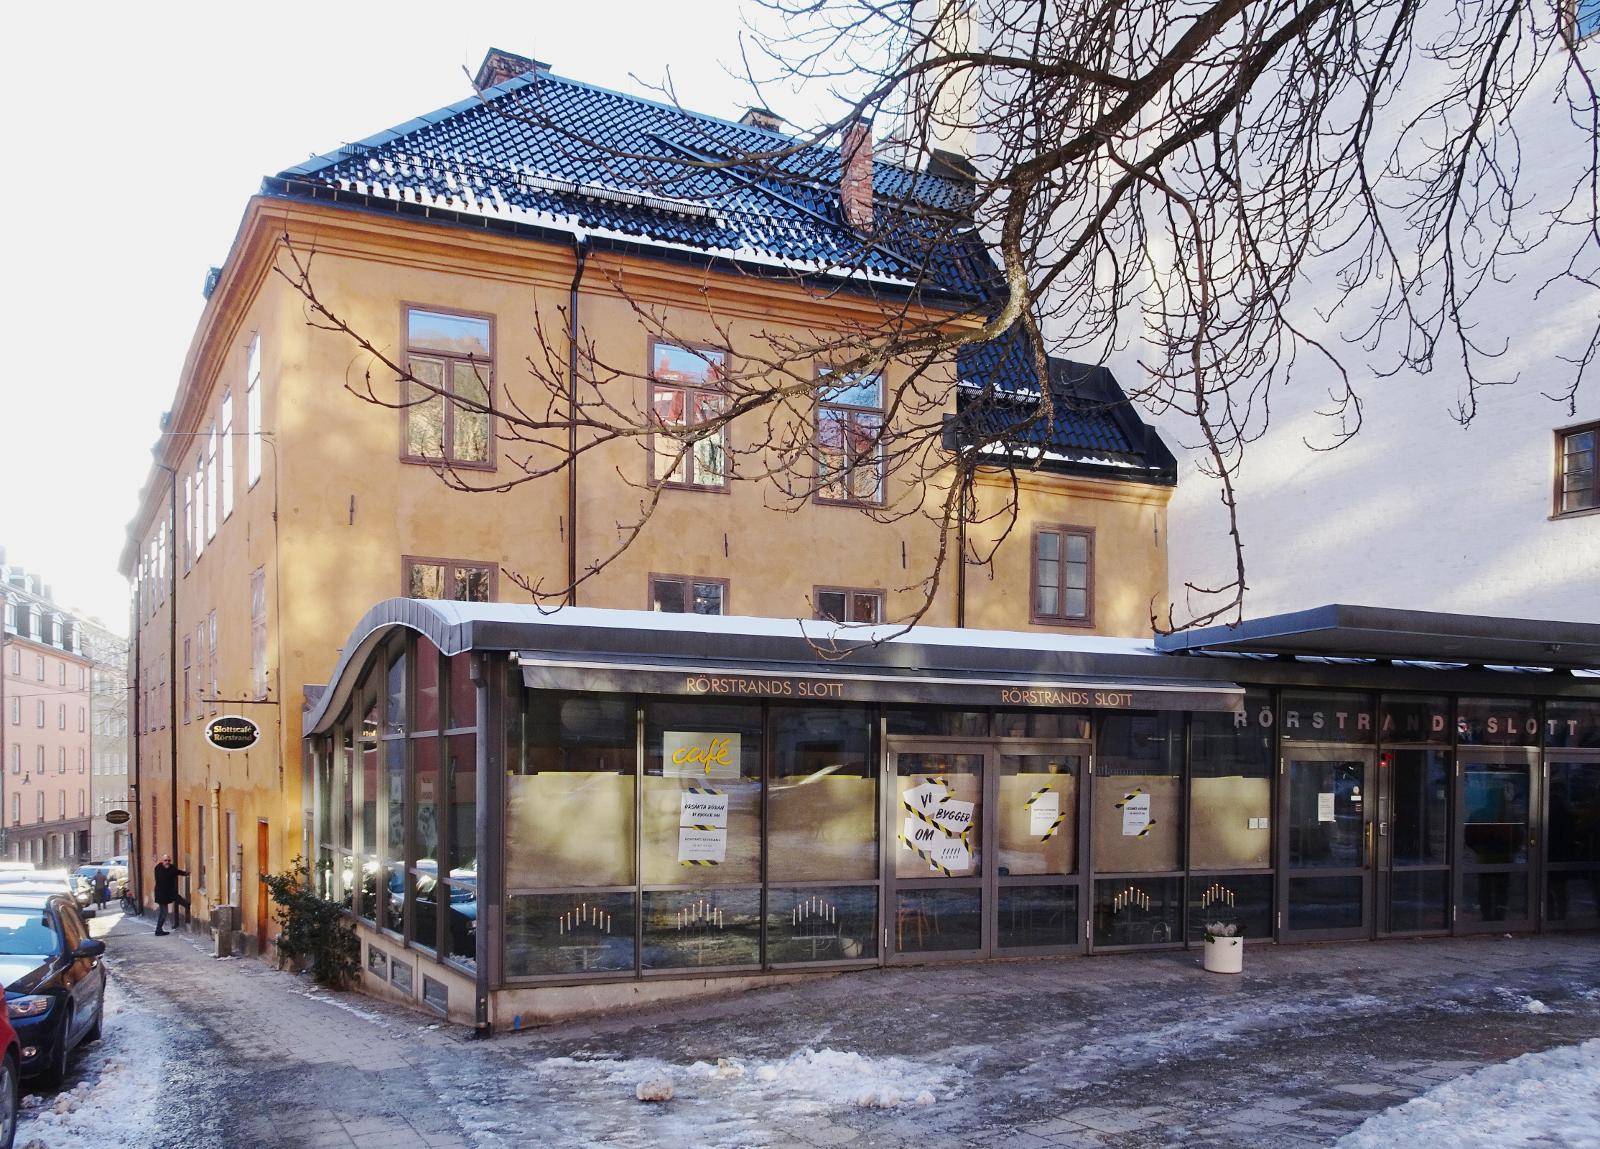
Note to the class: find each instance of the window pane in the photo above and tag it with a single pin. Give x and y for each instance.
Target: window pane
(457, 334)
(822, 805)
(1049, 546)
(463, 695)
(853, 389)
(471, 427)
(696, 367)
(1077, 604)
(394, 844)
(1414, 718)
(1032, 916)
(1230, 788)
(701, 928)
(426, 714)
(710, 460)
(427, 580)
(865, 608)
(471, 584)
(1077, 549)
(395, 704)
(830, 605)
(666, 595)
(671, 411)
(1137, 912)
(1495, 813)
(569, 802)
(1039, 813)
(822, 924)
(1420, 820)
(1243, 901)
(707, 598)
(1497, 722)
(1316, 716)
(1048, 600)
(462, 781)
(1138, 770)
(702, 795)
(425, 410)
(1574, 812)
(425, 815)
(568, 933)
(928, 921)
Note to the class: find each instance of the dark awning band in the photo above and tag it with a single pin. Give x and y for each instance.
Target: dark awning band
(542, 670)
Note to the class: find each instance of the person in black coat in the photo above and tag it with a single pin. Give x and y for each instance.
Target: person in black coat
(166, 875)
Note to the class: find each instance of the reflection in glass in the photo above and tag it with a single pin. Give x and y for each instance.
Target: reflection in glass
(1418, 900)
(1495, 813)
(461, 921)
(938, 815)
(1574, 812)
(1035, 916)
(828, 923)
(1326, 815)
(935, 920)
(424, 909)
(1573, 896)
(425, 712)
(1497, 722)
(936, 722)
(1325, 716)
(1420, 822)
(1572, 722)
(1138, 794)
(1038, 817)
(461, 760)
(1137, 911)
(1325, 903)
(822, 803)
(1240, 900)
(1494, 896)
(568, 933)
(394, 838)
(701, 928)
(1052, 724)
(569, 791)
(1414, 718)
(1230, 787)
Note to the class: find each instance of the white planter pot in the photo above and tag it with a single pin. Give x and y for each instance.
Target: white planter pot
(1225, 955)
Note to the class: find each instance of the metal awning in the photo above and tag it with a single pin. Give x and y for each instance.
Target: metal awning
(1339, 631)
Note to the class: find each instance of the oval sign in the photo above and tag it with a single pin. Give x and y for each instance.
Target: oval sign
(117, 817)
(232, 732)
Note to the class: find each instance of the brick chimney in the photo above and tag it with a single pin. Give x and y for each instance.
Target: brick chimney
(499, 66)
(855, 175)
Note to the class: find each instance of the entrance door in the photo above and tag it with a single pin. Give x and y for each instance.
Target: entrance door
(263, 897)
(1413, 841)
(1326, 844)
(1572, 843)
(1038, 887)
(1497, 836)
(935, 903)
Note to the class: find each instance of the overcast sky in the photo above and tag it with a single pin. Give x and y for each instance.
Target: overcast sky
(135, 134)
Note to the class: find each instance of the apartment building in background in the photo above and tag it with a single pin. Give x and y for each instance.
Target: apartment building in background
(46, 702)
(108, 752)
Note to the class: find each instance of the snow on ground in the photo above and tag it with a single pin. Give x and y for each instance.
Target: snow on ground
(1548, 1098)
(119, 1083)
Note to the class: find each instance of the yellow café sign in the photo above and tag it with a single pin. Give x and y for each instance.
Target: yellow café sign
(699, 754)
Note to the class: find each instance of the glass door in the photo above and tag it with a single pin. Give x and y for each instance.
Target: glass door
(1038, 859)
(1572, 843)
(935, 903)
(1326, 844)
(1497, 831)
(1413, 841)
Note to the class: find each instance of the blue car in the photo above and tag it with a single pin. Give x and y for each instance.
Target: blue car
(54, 977)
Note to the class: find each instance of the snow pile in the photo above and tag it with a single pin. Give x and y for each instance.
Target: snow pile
(114, 1102)
(839, 1078)
(1549, 1098)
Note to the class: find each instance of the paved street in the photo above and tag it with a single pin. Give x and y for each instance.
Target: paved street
(1139, 1050)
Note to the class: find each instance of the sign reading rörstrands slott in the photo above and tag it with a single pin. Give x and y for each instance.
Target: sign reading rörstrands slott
(232, 732)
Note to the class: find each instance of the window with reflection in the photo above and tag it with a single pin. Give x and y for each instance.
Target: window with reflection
(461, 899)
(1497, 722)
(701, 816)
(424, 867)
(425, 698)
(938, 722)
(1052, 724)
(570, 792)
(569, 933)
(823, 796)
(1230, 787)
(367, 902)
(1138, 911)
(1038, 814)
(451, 362)
(1325, 716)
(1243, 901)
(1414, 718)
(393, 901)
(1037, 917)
(1572, 723)
(704, 928)
(1138, 794)
(822, 924)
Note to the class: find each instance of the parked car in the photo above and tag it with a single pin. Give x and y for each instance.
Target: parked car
(10, 1080)
(54, 977)
(83, 878)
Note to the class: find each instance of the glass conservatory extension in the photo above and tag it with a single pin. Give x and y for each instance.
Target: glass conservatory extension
(507, 802)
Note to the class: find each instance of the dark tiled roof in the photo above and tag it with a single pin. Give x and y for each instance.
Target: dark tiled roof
(1090, 428)
(543, 151)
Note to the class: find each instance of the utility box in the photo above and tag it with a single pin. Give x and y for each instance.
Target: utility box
(224, 921)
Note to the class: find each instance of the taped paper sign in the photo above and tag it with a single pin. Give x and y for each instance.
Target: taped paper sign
(919, 833)
(698, 847)
(953, 817)
(924, 799)
(1135, 814)
(1043, 811)
(703, 809)
(952, 855)
(699, 754)
(1325, 807)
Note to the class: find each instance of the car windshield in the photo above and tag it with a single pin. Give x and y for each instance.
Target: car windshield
(26, 932)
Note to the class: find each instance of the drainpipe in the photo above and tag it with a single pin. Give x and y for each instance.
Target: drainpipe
(172, 666)
(485, 819)
(136, 711)
(961, 551)
(580, 255)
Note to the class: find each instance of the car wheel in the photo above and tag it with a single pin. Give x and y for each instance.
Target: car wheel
(55, 1072)
(8, 1100)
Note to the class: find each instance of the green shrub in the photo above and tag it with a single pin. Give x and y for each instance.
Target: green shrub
(314, 929)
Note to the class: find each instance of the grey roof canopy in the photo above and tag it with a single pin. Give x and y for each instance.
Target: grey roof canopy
(584, 648)
(1338, 631)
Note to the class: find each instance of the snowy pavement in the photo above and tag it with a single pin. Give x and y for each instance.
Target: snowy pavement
(1311, 1045)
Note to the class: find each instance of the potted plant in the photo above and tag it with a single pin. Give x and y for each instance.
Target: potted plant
(1224, 948)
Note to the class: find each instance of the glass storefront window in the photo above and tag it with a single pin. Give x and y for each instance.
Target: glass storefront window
(1419, 824)
(937, 820)
(1060, 724)
(425, 894)
(1572, 724)
(695, 928)
(935, 722)
(822, 924)
(1242, 900)
(570, 792)
(1325, 716)
(701, 820)
(1038, 815)
(425, 841)
(425, 711)
(367, 902)
(461, 759)
(938, 920)
(1419, 900)
(463, 696)
(569, 933)
(1032, 917)
(1414, 718)
(1137, 911)
(1327, 814)
(394, 705)
(1230, 788)
(394, 842)
(1138, 794)
(1497, 722)
(1572, 881)
(822, 801)
(344, 784)
(1325, 903)
(1495, 814)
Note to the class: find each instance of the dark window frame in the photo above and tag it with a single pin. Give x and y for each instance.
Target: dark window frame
(687, 581)
(407, 562)
(1562, 434)
(848, 591)
(447, 432)
(689, 482)
(1061, 619)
